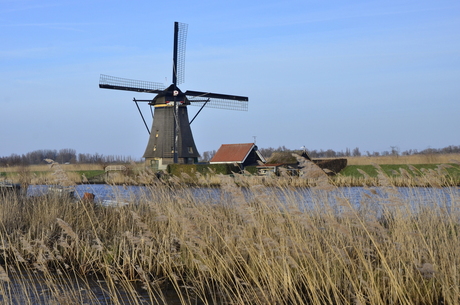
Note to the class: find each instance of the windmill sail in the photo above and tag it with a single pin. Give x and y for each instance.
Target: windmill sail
(118, 83)
(180, 38)
(218, 101)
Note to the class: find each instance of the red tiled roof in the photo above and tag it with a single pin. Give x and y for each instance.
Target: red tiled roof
(232, 153)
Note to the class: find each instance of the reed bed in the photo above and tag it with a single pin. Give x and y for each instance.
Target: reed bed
(403, 174)
(42, 174)
(442, 175)
(411, 159)
(256, 244)
(45, 168)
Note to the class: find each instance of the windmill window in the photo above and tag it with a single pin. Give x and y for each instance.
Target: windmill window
(156, 134)
(154, 147)
(190, 150)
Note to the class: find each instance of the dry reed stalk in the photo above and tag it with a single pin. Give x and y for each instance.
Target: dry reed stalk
(66, 229)
(45, 167)
(60, 176)
(257, 245)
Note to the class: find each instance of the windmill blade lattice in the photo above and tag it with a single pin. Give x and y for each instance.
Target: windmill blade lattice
(218, 103)
(180, 60)
(118, 83)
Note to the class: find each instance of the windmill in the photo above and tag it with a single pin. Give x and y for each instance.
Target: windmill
(171, 139)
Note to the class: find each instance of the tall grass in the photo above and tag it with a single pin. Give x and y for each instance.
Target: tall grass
(411, 159)
(42, 174)
(252, 245)
(45, 167)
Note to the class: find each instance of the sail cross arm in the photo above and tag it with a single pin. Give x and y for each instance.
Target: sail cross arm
(217, 95)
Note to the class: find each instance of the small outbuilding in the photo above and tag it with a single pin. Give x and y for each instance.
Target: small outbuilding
(243, 155)
(274, 169)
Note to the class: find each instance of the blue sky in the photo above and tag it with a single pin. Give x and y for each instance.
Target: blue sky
(320, 74)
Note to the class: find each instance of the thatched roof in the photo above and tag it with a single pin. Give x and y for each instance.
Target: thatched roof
(285, 157)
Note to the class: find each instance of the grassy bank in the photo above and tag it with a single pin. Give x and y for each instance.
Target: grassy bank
(257, 247)
(45, 174)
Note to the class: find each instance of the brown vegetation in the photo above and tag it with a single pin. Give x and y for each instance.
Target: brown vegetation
(260, 246)
(46, 168)
(411, 159)
(137, 174)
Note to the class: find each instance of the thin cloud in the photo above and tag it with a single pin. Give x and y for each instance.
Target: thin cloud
(27, 7)
(75, 26)
(337, 15)
(25, 52)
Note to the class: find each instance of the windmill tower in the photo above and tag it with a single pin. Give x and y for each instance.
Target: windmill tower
(171, 139)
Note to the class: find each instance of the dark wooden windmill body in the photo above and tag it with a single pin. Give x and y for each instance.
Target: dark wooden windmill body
(171, 139)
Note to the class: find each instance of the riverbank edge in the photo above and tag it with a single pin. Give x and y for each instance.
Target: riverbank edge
(401, 175)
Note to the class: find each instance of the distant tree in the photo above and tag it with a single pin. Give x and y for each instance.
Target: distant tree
(15, 160)
(314, 153)
(38, 156)
(207, 155)
(266, 152)
(347, 152)
(407, 152)
(452, 149)
(356, 152)
(49, 154)
(82, 158)
(66, 155)
(330, 153)
(429, 151)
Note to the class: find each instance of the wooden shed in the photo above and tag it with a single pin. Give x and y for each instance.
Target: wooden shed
(243, 155)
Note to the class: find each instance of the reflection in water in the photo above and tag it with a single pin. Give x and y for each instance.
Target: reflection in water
(305, 197)
(33, 287)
